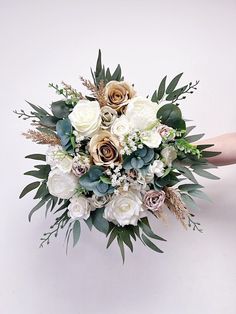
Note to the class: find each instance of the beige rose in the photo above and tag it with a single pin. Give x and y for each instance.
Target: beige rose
(118, 94)
(153, 200)
(108, 116)
(104, 149)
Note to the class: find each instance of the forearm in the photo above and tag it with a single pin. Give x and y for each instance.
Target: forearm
(226, 144)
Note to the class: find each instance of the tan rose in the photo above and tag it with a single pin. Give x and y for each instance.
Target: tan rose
(104, 149)
(118, 94)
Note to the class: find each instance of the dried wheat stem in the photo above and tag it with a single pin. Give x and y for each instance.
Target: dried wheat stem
(42, 138)
(176, 206)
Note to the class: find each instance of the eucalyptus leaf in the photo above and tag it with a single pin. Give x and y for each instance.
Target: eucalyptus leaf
(60, 109)
(99, 222)
(206, 174)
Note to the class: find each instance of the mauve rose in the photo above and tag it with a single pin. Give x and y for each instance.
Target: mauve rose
(153, 200)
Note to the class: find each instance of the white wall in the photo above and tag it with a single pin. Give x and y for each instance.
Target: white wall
(47, 41)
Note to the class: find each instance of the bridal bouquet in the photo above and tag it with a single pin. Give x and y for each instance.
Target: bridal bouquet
(115, 158)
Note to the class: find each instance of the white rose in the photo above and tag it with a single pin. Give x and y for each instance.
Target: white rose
(56, 157)
(79, 207)
(125, 208)
(168, 155)
(141, 112)
(85, 117)
(151, 138)
(62, 184)
(157, 168)
(121, 126)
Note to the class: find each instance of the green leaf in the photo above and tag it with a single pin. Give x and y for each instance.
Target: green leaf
(121, 246)
(188, 200)
(171, 115)
(184, 171)
(42, 191)
(176, 93)
(29, 188)
(148, 231)
(202, 147)
(76, 232)
(150, 244)
(173, 83)
(105, 179)
(116, 76)
(49, 121)
(39, 205)
(112, 237)
(125, 236)
(38, 109)
(99, 63)
(208, 154)
(199, 194)
(189, 129)
(89, 222)
(161, 89)
(194, 138)
(60, 109)
(206, 174)
(36, 157)
(41, 173)
(154, 97)
(99, 222)
(189, 187)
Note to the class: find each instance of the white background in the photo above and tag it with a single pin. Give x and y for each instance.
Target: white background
(50, 41)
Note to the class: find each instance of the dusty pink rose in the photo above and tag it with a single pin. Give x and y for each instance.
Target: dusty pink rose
(153, 200)
(166, 132)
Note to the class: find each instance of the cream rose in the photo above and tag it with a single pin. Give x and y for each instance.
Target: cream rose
(168, 155)
(61, 184)
(104, 149)
(151, 138)
(121, 126)
(85, 117)
(156, 168)
(141, 112)
(79, 207)
(118, 94)
(125, 208)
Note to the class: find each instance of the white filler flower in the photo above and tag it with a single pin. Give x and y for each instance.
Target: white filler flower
(79, 207)
(125, 208)
(62, 184)
(85, 117)
(56, 157)
(141, 112)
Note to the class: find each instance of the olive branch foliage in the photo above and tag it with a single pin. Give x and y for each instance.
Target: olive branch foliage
(191, 161)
